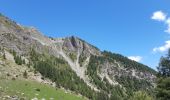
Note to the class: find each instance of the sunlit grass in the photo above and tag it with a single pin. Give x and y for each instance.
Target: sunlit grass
(32, 89)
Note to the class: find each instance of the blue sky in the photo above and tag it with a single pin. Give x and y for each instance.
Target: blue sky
(120, 26)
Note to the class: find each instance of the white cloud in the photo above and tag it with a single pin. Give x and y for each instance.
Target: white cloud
(163, 48)
(135, 58)
(168, 23)
(159, 16)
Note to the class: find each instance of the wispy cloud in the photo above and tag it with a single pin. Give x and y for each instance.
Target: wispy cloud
(168, 27)
(163, 48)
(135, 58)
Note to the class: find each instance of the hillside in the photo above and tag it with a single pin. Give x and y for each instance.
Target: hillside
(69, 63)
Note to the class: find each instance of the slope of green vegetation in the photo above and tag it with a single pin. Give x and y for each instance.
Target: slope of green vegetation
(60, 72)
(141, 95)
(130, 84)
(116, 92)
(133, 84)
(28, 90)
(127, 62)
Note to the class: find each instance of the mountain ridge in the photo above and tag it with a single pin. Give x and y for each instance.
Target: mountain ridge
(101, 71)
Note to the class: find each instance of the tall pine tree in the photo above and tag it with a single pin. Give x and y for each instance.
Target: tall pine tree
(163, 78)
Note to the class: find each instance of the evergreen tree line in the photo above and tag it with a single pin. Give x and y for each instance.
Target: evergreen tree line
(133, 84)
(18, 59)
(127, 62)
(130, 85)
(59, 72)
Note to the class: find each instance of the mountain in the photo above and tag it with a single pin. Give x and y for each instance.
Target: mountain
(70, 64)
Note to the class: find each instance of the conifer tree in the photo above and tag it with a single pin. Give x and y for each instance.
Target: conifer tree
(163, 78)
(4, 56)
(25, 75)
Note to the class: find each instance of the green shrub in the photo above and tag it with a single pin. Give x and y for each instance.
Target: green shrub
(141, 96)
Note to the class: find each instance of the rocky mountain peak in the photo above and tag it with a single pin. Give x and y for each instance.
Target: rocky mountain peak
(76, 44)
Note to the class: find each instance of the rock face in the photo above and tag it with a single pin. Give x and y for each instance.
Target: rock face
(72, 49)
